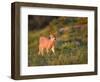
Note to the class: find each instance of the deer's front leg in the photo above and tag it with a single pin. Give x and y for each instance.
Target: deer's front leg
(53, 50)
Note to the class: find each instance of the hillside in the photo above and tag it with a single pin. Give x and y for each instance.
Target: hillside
(71, 40)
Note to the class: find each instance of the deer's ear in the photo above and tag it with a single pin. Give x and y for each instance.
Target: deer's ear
(50, 33)
(55, 33)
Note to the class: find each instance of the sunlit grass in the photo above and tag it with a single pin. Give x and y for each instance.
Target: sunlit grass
(66, 53)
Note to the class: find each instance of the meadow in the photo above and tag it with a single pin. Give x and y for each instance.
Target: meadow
(71, 40)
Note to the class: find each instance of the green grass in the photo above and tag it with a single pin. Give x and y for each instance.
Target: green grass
(66, 53)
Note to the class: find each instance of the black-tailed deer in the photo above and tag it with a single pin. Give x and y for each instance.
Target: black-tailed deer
(47, 44)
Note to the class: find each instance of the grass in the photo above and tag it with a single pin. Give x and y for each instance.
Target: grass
(66, 52)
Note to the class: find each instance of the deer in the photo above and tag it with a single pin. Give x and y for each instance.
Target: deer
(47, 44)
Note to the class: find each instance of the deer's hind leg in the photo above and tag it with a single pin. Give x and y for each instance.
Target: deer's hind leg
(47, 50)
(40, 51)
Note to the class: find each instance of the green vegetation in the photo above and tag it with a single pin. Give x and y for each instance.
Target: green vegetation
(71, 43)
